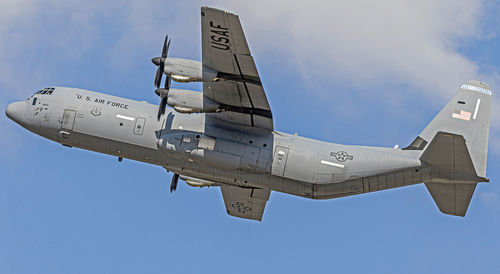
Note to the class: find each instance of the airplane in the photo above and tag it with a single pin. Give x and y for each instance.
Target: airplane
(224, 135)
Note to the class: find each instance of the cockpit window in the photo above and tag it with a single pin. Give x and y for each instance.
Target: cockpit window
(46, 91)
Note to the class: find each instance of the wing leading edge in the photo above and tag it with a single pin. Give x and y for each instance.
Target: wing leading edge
(237, 87)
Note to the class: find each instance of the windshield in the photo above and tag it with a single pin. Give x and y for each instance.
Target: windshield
(46, 91)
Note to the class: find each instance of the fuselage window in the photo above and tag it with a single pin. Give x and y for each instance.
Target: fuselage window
(34, 101)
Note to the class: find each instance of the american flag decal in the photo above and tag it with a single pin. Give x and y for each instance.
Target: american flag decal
(460, 114)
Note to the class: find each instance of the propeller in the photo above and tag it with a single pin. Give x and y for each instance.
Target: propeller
(160, 62)
(163, 93)
(173, 184)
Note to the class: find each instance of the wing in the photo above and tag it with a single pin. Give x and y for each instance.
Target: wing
(227, 60)
(248, 203)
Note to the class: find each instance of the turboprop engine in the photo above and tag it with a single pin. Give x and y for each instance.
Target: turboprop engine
(182, 70)
(187, 101)
(186, 70)
(195, 182)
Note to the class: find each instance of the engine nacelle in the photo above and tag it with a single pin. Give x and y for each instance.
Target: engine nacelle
(186, 70)
(195, 182)
(188, 101)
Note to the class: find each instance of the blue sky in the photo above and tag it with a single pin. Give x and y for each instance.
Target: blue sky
(343, 71)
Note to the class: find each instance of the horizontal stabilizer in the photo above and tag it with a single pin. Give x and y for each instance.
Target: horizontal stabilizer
(452, 199)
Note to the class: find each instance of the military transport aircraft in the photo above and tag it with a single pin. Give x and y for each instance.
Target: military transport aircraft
(224, 136)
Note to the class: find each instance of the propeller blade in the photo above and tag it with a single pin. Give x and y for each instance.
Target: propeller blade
(163, 105)
(166, 45)
(158, 77)
(159, 74)
(160, 62)
(173, 184)
(168, 82)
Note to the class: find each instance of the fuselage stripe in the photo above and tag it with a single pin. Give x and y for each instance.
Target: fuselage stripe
(125, 117)
(331, 164)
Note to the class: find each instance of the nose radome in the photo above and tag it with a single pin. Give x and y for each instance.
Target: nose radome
(17, 112)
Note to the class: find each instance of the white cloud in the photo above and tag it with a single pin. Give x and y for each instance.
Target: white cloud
(369, 42)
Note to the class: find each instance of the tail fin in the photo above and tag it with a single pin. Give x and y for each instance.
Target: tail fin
(458, 147)
(467, 114)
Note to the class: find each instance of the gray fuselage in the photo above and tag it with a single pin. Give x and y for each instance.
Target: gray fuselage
(189, 145)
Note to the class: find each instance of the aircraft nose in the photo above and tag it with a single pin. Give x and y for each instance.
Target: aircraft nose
(17, 112)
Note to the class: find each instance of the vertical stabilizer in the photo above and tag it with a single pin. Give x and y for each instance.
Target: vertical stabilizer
(467, 114)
